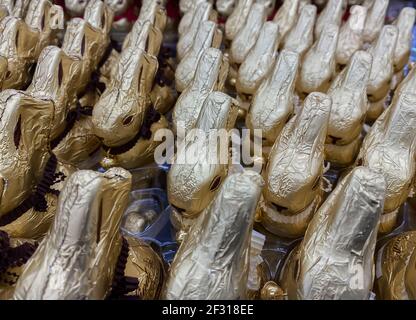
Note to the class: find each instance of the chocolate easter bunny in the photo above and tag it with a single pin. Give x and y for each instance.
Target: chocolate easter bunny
(209, 76)
(351, 34)
(375, 20)
(390, 148)
(273, 103)
(330, 15)
(349, 107)
(335, 258)
(237, 19)
(300, 38)
(222, 268)
(294, 172)
(260, 60)
(193, 181)
(318, 66)
(208, 36)
(246, 38)
(22, 41)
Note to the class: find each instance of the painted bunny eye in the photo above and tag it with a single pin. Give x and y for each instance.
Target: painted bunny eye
(83, 46)
(127, 120)
(17, 133)
(60, 73)
(215, 183)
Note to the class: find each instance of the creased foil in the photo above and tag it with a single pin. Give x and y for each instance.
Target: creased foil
(212, 262)
(335, 259)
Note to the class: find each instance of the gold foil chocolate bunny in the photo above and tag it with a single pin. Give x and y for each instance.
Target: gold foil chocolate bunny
(123, 116)
(25, 133)
(120, 111)
(198, 171)
(272, 104)
(318, 67)
(212, 262)
(351, 34)
(330, 15)
(88, 38)
(259, 60)
(300, 38)
(237, 19)
(404, 23)
(396, 268)
(295, 169)
(246, 38)
(186, 20)
(208, 36)
(390, 148)
(382, 71)
(349, 107)
(286, 16)
(55, 79)
(77, 258)
(22, 41)
(202, 13)
(375, 20)
(335, 259)
(210, 75)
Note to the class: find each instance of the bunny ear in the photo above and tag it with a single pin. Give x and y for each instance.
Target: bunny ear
(152, 11)
(375, 20)
(204, 39)
(286, 16)
(332, 14)
(312, 121)
(247, 36)
(202, 13)
(358, 71)
(404, 23)
(260, 59)
(237, 19)
(98, 15)
(300, 38)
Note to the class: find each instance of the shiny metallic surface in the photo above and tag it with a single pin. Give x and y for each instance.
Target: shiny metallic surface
(273, 103)
(405, 22)
(375, 19)
(77, 257)
(382, 70)
(389, 147)
(192, 185)
(396, 268)
(212, 262)
(246, 38)
(294, 172)
(22, 161)
(300, 38)
(286, 16)
(335, 259)
(127, 97)
(208, 36)
(210, 75)
(330, 15)
(260, 59)
(318, 66)
(349, 105)
(237, 19)
(351, 34)
(202, 13)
